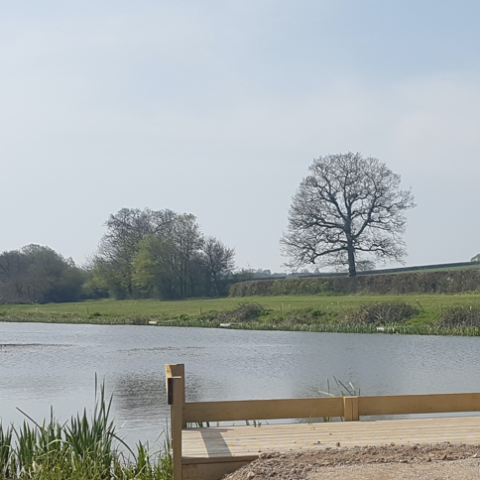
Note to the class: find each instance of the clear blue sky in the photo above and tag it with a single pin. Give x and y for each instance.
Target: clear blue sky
(217, 108)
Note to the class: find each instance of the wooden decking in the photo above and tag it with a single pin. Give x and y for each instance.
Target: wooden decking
(251, 441)
(209, 453)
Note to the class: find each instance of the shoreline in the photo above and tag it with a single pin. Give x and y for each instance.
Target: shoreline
(152, 321)
(439, 314)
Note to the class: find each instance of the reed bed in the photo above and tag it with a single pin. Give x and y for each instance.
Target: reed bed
(85, 448)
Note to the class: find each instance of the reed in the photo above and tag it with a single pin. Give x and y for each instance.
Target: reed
(85, 448)
(342, 389)
(7, 459)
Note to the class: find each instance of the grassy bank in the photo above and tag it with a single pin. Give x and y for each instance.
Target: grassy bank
(427, 314)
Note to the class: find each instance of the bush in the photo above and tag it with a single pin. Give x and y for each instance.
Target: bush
(380, 284)
(140, 320)
(380, 314)
(251, 288)
(244, 312)
(461, 316)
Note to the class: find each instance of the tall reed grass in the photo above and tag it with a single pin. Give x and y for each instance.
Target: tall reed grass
(85, 448)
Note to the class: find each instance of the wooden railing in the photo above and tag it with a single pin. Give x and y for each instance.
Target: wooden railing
(350, 408)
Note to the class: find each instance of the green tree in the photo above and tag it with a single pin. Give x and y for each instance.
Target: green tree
(37, 274)
(158, 254)
(154, 272)
(187, 240)
(120, 244)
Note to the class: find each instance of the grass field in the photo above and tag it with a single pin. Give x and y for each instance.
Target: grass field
(293, 312)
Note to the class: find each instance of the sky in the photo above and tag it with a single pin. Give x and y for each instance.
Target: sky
(217, 108)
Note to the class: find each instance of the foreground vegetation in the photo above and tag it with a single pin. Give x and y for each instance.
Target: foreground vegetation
(417, 314)
(84, 449)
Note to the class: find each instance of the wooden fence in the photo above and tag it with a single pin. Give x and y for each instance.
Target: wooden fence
(350, 408)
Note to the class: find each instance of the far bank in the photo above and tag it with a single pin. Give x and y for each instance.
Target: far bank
(431, 314)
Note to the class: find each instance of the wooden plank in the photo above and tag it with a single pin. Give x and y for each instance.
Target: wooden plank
(211, 471)
(263, 409)
(197, 461)
(350, 409)
(175, 387)
(238, 442)
(409, 404)
(330, 407)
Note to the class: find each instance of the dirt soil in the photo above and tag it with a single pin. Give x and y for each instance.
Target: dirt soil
(389, 462)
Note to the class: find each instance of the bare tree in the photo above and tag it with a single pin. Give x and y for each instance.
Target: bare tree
(217, 260)
(348, 208)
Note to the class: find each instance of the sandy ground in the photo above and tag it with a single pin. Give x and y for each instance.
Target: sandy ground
(390, 462)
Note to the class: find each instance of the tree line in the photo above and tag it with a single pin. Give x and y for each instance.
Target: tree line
(143, 254)
(349, 213)
(37, 274)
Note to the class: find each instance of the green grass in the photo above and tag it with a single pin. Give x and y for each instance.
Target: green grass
(292, 312)
(99, 311)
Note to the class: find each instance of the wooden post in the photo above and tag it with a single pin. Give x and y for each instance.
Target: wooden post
(350, 409)
(175, 383)
(175, 370)
(175, 399)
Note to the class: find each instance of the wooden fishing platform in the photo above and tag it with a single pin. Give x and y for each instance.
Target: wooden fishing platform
(208, 453)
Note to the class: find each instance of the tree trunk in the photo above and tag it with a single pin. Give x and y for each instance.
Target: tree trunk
(352, 271)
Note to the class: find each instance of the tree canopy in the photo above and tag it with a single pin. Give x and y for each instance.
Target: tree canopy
(349, 209)
(160, 254)
(37, 274)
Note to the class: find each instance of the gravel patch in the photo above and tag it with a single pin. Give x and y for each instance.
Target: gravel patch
(407, 462)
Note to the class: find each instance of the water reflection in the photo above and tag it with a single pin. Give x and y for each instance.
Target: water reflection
(139, 393)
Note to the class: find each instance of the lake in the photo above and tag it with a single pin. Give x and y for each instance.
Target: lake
(55, 364)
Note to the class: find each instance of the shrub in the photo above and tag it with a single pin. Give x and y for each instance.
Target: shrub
(250, 288)
(244, 312)
(140, 320)
(393, 283)
(461, 316)
(380, 313)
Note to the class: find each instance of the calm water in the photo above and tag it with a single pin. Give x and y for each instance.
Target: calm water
(45, 364)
